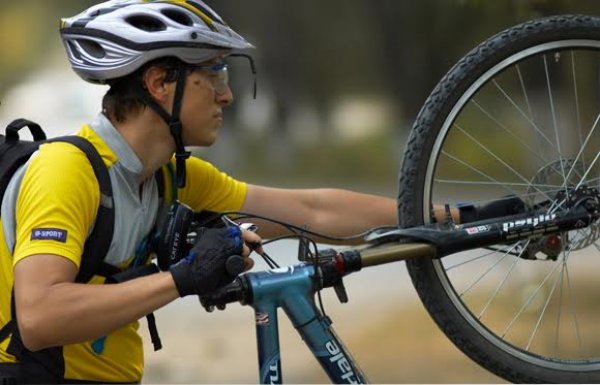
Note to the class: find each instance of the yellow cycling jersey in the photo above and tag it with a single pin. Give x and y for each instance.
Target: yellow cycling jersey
(50, 208)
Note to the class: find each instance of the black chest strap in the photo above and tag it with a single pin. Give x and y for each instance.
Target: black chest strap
(97, 245)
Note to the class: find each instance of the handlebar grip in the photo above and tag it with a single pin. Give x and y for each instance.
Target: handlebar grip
(234, 292)
(234, 265)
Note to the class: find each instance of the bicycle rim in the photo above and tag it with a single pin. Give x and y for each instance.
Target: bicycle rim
(522, 119)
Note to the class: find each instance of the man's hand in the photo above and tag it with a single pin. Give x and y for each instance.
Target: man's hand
(204, 269)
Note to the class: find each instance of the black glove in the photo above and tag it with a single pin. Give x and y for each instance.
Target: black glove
(509, 205)
(204, 269)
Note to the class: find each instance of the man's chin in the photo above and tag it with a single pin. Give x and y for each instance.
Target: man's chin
(206, 142)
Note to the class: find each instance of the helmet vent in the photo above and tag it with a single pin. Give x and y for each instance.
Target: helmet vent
(146, 23)
(92, 48)
(178, 17)
(73, 50)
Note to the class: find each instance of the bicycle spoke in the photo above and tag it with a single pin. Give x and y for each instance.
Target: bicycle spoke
(573, 308)
(554, 123)
(527, 102)
(474, 169)
(498, 183)
(576, 94)
(513, 184)
(512, 134)
(470, 260)
(549, 188)
(495, 156)
(565, 270)
(542, 313)
(524, 90)
(530, 121)
(583, 147)
(527, 302)
(497, 290)
(559, 312)
(588, 170)
(469, 287)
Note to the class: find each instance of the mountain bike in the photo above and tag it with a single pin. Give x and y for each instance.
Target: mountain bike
(516, 117)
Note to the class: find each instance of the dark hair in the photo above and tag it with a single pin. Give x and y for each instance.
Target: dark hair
(125, 96)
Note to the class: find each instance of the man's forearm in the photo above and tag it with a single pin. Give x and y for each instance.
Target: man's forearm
(69, 312)
(332, 212)
(343, 213)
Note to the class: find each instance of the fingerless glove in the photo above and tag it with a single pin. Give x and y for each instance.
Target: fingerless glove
(204, 269)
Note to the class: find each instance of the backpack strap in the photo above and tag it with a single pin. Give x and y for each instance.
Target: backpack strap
(97, 245)
(165, 181)
(160, 182)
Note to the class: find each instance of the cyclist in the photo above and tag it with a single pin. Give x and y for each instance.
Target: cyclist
(164, 62)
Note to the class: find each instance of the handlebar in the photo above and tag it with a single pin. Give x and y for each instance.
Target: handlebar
(236, 291)
(329, 273)
(234, 265)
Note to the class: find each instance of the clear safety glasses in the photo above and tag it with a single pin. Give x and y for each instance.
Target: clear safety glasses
(217, 74)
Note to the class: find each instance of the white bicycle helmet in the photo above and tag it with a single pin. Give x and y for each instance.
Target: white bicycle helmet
(114, 38)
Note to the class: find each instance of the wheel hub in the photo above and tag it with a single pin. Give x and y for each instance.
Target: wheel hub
(547, 191)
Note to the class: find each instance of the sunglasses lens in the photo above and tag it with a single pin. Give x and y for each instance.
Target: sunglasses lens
(218, 75)
(221, 79)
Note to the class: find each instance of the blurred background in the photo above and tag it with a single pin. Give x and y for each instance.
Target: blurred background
(339, 85)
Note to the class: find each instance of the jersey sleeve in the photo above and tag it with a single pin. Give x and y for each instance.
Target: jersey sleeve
(208, 188)
(57, 203)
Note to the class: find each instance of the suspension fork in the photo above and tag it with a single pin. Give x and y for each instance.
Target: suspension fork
(449, 238)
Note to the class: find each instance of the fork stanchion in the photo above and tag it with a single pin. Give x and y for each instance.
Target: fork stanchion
(396, 252)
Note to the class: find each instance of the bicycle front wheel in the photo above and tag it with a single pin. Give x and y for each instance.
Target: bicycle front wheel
(517, 116)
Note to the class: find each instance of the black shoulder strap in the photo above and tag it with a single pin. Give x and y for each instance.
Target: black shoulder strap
(160, 182)
(166, 183)
(97, 244)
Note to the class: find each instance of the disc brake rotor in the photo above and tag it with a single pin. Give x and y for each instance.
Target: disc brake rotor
(545, 190)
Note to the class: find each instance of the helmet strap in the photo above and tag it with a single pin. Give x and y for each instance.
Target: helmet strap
(174, 123)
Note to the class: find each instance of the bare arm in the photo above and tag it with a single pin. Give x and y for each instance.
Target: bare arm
(331, 212)
(54, 311)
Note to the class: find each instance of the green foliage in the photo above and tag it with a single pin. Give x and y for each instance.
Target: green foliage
(28, 30)
(314, 52)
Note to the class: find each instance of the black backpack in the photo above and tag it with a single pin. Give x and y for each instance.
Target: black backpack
(15, 152)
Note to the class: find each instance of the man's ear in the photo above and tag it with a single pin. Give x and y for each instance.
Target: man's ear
(155, 82)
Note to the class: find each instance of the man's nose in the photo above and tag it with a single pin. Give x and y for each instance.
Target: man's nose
(226, 98)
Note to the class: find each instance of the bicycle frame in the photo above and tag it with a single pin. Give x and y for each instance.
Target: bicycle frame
(292, 288)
